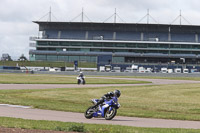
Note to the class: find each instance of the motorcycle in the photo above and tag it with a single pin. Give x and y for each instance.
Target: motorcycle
(107, 110)
(81, 80)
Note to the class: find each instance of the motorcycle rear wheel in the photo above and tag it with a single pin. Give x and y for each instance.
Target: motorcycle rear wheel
(89, 113)
(109, 115)
(83, 82)
(78, 82)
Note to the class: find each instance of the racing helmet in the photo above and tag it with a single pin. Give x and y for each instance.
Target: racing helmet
(117, 93)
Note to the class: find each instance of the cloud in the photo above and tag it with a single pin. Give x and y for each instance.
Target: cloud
(16, 16)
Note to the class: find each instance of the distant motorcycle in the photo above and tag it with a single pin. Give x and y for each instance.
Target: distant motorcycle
(107, 110)
(81, 80)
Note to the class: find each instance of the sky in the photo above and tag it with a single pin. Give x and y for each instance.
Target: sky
(16, 16)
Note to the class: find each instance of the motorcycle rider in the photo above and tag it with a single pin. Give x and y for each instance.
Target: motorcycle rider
(108, 96)
(81, 77)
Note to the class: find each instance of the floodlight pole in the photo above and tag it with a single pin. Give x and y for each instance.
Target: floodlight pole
(147, 16)
(82, 15)
(50, 15)
(180, 17)
(115, 17)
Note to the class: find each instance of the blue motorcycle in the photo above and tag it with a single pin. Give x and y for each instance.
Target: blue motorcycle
(107, 110)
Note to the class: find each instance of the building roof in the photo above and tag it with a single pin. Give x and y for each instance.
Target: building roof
(132, 27)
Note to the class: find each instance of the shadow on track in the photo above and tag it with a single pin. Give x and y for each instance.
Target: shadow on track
(111, 120)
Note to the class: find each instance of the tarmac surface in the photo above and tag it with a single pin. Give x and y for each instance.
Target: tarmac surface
(54, 86)
(39, 114)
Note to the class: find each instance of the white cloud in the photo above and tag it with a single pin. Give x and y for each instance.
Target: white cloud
(16, 16)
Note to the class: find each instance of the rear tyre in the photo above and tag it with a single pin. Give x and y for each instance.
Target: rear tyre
(89, 113)
(109, 115)
(78, 82)
(83, 82)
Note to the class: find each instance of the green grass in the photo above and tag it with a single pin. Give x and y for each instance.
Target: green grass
(47, 64)
(157, 77)
(92, 128)
(161, 101)
(58, 79)
(154, 101)
(153, 77)
(171, 78)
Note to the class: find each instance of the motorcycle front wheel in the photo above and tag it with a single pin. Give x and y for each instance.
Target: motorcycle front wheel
(109, 115)
(89, 113)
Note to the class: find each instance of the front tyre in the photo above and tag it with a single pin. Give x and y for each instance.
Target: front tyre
(109, 115)
(89, 113)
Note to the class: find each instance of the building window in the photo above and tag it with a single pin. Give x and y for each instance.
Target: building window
(52, 58)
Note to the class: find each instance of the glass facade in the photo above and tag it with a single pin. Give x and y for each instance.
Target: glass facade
(118, 59)
(123, 42)
(32, 57)
(41, 57)
(65, 58)
(118, 47)
(112, 47)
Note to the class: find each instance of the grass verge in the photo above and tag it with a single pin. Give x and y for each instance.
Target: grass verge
(47, 64)
(161, 101)
(80, 127)
(58, 79)
(159, 77)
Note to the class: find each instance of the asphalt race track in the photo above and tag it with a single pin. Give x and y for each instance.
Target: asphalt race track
(53, 86)
(38, 114)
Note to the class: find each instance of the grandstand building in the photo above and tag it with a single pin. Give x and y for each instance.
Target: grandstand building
(117, 43)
